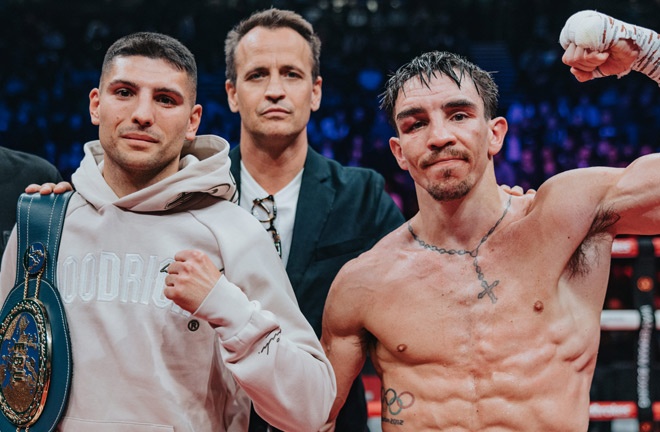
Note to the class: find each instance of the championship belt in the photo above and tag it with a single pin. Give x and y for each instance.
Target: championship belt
(35, 349)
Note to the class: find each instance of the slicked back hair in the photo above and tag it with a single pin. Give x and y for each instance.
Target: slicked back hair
(439, 63)
(154, 46)
(272, 19)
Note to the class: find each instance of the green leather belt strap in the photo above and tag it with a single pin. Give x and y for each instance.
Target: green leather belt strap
(35, 348)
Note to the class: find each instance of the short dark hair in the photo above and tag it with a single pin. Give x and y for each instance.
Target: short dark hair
(154, 46)
(272, 19)
(432, 64)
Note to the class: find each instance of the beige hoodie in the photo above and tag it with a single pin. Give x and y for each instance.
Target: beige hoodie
(141, 363)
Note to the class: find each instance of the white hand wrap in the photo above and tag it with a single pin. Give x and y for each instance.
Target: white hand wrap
(598, 32)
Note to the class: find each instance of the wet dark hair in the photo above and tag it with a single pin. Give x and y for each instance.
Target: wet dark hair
(272, 19)
(432, 64)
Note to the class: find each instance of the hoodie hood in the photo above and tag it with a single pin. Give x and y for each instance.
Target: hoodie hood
(203, 172)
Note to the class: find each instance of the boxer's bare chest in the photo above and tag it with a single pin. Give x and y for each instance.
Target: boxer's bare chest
(445, 304)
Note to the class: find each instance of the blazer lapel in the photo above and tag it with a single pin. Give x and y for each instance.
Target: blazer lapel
(314, 204)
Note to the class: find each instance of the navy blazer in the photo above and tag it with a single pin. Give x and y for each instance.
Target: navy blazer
(342, 212)
(17, 171)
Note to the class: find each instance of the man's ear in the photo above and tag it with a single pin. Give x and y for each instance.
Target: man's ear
(395, 146)
(230, 88)
(194, 121)
(498, 130)
(317, 93)
(94, 106)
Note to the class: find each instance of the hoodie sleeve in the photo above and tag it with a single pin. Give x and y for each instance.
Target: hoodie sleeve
(265, 340)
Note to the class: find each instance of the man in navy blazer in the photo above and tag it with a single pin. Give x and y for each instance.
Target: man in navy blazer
(319, 213)
(342, 212)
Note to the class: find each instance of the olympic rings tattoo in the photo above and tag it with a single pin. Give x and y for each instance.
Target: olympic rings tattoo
(396, 403)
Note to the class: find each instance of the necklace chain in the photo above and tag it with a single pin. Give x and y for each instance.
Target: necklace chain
(474, 253)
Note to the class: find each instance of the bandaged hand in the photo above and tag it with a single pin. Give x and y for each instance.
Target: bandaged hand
(598, 45)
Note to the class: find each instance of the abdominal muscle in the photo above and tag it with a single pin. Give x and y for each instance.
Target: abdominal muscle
(507, 404)
(451, 360)
(520, 373)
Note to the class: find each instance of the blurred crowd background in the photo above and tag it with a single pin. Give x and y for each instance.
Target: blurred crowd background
(52, 51)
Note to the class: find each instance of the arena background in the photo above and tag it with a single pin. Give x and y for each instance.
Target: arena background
(51, 55)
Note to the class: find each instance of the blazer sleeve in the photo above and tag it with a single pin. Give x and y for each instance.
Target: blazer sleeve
(265, 341)
(387, 216)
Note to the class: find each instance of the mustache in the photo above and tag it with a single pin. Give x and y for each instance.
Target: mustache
(443, 154)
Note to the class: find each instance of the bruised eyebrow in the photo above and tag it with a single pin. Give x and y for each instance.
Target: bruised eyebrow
(451, 105)
(409, 113)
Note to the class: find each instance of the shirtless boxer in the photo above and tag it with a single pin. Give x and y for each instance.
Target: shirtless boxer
(483, 313)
